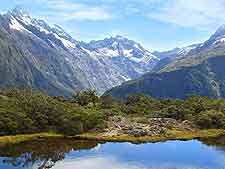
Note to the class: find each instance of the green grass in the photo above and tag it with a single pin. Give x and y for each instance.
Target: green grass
(26, 137)
(171, 135)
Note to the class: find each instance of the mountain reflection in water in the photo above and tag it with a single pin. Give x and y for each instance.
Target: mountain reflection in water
(43, 153)
(72, 154)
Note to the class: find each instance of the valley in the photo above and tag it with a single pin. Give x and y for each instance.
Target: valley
(108, 102)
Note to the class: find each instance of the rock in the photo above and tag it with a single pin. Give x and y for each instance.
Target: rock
(138, 133)
(118, 125)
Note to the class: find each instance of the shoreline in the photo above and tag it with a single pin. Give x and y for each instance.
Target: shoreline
(172, 135)
(14, 139)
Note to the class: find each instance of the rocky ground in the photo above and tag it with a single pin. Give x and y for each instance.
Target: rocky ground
(118, 125)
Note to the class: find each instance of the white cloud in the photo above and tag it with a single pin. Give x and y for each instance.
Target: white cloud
(93, 14)
(113, 162)
(79, 11)
(3, 12)
(70, 10)
(201, 14)
(96, 163)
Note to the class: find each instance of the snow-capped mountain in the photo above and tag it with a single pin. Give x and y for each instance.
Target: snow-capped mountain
(177, 53)
(218, 36)
(185, 50)
(127, 55)
(47, 58)
(196, 54)
(171, 56)
(55, 35)
(197, 69)
(215, 43)
(120, 46)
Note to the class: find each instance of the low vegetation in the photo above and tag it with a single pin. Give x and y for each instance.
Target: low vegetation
(28, 111)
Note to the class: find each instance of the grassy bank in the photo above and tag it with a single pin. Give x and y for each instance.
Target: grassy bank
(26, 137)
(171, 135)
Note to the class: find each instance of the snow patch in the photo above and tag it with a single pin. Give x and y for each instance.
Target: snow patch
(67, 59)
(53, 44)
(222, 40)
(16, 25)
(152, 56)
(128, 53)
(144, 59)
(26, 19)
(125, 78)
(136, 59)
(185, 50)
(43, 30)
(115, 44)
(92, 54)
(65, 42)
(87, 51)
(60, 30)
(109, 52)
(137, 46)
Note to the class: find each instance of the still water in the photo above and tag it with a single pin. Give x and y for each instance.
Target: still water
(68, 154)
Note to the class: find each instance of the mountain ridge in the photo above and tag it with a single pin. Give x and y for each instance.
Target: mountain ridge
(200, 72)
(66, 63)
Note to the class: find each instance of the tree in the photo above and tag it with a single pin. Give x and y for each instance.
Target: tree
(107, 101)
(93, 96)
(174, 112)
(210, 119)
(83, 98)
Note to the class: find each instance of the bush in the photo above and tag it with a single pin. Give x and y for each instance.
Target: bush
(210, 119)
(173, 112)
(84, 98)
(28, 111)
(107, 102)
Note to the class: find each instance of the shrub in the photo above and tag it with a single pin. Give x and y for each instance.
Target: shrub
(210, 119)
(173, 112)
(83, 98)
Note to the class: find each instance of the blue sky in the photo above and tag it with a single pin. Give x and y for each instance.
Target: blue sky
(157, 24)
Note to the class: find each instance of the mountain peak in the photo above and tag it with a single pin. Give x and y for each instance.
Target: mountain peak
(60, 31)
(119, 37)
(18, 11)
(217, 38)
(59, 28)
(220, 31)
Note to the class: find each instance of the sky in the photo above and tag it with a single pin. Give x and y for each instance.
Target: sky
(156, 24)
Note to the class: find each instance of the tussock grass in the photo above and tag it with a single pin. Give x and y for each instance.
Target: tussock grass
(171, 135)
(26, 137)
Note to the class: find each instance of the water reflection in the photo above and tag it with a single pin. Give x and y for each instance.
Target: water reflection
(68, 154)
(42, 154)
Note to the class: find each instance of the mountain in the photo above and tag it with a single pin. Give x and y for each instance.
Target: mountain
(176, 52)
(200, 72)
(214, 46)
(171, 56)
(130, 57)
(206, 79)
(215, 43)
(34, 54)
